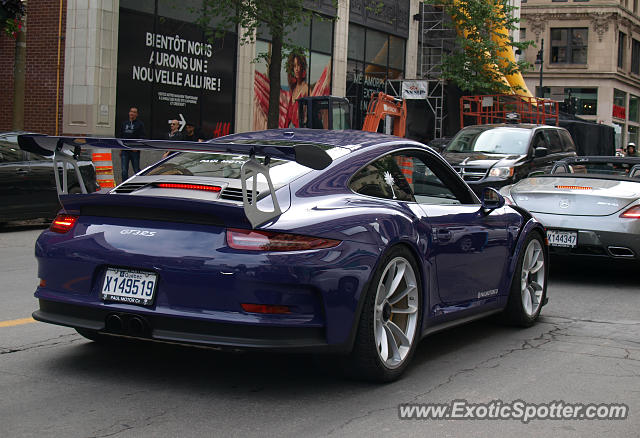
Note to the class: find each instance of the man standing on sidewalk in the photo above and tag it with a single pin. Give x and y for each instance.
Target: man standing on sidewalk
(132, 128)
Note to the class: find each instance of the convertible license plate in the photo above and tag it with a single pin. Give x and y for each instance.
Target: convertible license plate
(567, 239)
(129, 286)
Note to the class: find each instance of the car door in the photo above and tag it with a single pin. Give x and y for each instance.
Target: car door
(555, 143)
(14, 177)
(470, 245)
(43, 184)
(544, 163)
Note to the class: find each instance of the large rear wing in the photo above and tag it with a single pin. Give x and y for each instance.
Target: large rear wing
(67, 149)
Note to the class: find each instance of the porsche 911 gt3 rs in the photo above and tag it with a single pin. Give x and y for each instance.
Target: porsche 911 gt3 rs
(348, 242)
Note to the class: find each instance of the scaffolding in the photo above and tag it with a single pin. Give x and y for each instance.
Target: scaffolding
(437, 37)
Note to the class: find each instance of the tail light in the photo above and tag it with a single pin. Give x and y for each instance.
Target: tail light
(254, 240)
(632, 213)
(63, 223)
(202, 187)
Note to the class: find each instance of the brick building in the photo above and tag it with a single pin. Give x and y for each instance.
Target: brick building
(43, 92)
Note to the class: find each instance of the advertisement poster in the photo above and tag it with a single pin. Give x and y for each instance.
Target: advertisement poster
(301, 76)
(170, 70)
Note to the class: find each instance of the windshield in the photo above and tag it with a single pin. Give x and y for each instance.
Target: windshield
(491, 140)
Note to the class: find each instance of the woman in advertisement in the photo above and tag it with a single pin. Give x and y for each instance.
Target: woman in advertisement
(298, 87)
(296, 70)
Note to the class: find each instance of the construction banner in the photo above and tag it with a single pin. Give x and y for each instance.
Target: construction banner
(414, 89)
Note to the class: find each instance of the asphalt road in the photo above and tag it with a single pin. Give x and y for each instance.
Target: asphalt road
(586, 349)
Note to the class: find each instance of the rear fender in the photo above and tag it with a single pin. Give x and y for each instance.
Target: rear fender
(530, 226)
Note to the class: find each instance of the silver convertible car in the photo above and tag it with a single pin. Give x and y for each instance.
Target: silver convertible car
(589, 205)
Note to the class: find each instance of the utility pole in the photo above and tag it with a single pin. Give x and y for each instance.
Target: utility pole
(540, 61)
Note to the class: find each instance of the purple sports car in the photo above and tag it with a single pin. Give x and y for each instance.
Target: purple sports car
(348, 242)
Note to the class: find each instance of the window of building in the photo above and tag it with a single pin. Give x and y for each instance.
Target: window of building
(569, 45)
(302, 74)
(618, 129)
(585, 100)
(634, 102)
(635, 56)
(619, 104)
(622, 39)
(372, 58)
(632, 134)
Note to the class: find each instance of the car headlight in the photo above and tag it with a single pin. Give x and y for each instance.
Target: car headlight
(501, 172)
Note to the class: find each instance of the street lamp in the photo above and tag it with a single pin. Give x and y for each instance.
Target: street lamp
(540, 61)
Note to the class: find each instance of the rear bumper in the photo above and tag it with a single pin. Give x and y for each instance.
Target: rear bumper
(188, 331)
(603, 236)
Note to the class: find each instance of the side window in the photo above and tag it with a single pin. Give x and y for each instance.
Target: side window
(567, 141)
(554, 140)
(10, 152)
(430, 181)
(382, 178)
(539, 141)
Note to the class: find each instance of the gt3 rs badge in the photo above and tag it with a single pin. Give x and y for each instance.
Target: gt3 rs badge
(139, 233)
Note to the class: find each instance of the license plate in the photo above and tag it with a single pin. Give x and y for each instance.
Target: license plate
(567, 239)
(129, 286)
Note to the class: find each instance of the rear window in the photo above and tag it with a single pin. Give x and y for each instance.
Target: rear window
(214, 165)
(491, 140)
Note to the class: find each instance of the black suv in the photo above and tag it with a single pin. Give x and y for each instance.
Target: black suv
(499, 155)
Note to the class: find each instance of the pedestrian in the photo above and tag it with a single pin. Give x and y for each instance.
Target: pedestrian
(631, 150)
(190, 133)
(174, 134)
(132, 128)
(174, 131)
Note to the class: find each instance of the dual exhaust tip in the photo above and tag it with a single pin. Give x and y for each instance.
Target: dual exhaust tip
(131, 325)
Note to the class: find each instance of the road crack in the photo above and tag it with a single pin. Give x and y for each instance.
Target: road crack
(59, 340)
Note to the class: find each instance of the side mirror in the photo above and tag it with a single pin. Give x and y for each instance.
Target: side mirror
(540, 152)
(491, 199)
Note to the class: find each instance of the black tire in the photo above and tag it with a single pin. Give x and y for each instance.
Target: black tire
(365, 360)
(515, 313)
(75, 190)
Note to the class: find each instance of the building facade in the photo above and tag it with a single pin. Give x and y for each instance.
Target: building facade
(591, 57)
(155, 55)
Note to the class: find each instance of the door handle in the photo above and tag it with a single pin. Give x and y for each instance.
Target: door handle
(22, 171)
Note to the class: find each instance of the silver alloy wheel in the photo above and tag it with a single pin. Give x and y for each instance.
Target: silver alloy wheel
(396, 312)
(532, 278)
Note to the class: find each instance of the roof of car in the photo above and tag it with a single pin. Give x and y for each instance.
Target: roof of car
(350, 139)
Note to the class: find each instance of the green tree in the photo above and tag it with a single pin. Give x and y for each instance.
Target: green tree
(278, 17)
(480, 61)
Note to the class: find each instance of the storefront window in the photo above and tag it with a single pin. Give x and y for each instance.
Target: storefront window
(183, 10)
(396, 53)
(618, 129)
(377, 48)
(584, 100)
(373, 58)
(320, 30)
(147, 6)
(619, 104)
(302, 74)
(170, 68)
